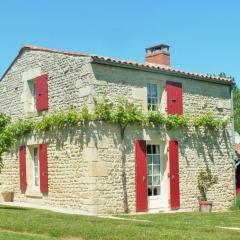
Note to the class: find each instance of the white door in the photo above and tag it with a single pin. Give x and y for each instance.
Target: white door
(154, 162)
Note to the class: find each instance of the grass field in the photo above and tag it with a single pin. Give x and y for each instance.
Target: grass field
(24, 223)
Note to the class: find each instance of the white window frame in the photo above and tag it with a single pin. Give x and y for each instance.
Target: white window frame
(32, 95)
(157, 98)
(152, 165)
(35, 187)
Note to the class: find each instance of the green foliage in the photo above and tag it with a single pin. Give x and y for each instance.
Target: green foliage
(10, 133)
(176, 121)
(19, 129)
(123, 114)
(155, 118)
(236, 108)
(59, 120)
(85, 114)
(236, 205)
(210, 122)
(205, 181)
(4, 120)
(103, 110)
(127, 113)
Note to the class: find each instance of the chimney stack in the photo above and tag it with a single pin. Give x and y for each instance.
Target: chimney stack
(158, 54)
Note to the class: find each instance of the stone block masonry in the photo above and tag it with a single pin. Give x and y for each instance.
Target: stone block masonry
(84, 164)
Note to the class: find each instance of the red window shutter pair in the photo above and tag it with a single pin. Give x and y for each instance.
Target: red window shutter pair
(42, 93)
(43, 168)
(141, 175)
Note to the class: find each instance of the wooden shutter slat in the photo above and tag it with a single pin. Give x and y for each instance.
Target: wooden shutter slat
(174, 98)
(174, 175)
(43, 168)
(22, 163)
(42, 93)
(141, 176)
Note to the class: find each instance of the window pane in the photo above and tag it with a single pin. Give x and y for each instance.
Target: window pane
(156, 159)
(149, 170)
(149, 191)
(154, 101)
(157, 149)
(149, 100)
(149, 89)
(156, 190)
(149, 149)
(150, 180)
(154, 148)
(149, 158)
(154, 108)
(156, 180)
(156, 169)
(154, 90)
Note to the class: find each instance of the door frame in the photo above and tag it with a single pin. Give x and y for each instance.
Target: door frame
(164, 168)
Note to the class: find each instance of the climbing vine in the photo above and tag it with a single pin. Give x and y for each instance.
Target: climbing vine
(210, 122)
(124, 113)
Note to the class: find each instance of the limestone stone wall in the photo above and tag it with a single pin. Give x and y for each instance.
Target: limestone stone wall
(84, 163)
(69, 82)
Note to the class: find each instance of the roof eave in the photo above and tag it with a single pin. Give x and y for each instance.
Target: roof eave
(162, 71)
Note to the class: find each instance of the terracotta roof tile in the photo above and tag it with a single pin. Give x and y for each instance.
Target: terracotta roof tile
(162, 68)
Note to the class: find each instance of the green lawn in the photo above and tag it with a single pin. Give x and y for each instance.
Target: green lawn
(24, 223)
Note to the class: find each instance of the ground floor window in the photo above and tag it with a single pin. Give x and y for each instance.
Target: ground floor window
(154, 169)
(35, 158)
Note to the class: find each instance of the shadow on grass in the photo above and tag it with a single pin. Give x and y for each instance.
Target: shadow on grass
(13, 208)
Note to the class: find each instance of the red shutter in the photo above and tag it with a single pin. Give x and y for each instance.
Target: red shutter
(174, 175)
(141, 176)
(42, 92)
(174, 98)
(22, 162)
(43, 168)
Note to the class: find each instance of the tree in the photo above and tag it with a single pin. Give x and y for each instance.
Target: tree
(236, 103)
(236, 108)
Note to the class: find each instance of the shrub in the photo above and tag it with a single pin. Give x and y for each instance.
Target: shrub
(208, 121)
(205, 181)
(155, 118)
(176, 121)
(236, 204)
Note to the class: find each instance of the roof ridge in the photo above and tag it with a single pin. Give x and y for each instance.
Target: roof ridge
(150, 66)
(37, 48)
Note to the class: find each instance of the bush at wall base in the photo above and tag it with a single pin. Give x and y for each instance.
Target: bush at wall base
(8, 196)
(205, 181)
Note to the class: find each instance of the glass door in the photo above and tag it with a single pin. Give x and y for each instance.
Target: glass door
(154, 176)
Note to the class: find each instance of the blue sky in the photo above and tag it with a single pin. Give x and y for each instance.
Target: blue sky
(204, 35)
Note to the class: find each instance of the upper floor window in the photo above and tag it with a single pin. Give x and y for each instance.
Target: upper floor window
(152, 95)
(36, 94)
(32, 96)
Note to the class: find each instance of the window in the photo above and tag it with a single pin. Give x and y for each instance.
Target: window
(153, 166)
(32, 96)
(35, 158)
(152, 95)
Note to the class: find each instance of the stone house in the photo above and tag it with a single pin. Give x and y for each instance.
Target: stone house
(81, 168)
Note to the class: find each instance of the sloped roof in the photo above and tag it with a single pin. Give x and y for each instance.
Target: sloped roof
(144, 66)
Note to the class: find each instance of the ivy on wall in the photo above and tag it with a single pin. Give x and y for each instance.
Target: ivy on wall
(123, 114)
